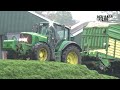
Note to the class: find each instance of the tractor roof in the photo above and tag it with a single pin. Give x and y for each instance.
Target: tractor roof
(52, 22)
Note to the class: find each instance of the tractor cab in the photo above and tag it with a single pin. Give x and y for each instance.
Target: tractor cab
(56, 33)
(41, 28)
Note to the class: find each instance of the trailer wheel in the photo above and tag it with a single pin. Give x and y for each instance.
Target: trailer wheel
(11, 55)
(71, 55)
(41, 52)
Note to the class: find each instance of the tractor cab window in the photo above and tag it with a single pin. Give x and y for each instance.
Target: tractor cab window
(59, 32)
(43, 30)
(62, 33)
(66, 33)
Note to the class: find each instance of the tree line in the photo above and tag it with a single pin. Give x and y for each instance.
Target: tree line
(62, 17)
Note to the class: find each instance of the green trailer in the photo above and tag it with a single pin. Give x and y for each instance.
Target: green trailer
(100, 43)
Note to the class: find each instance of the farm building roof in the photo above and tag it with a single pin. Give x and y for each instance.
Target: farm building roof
(34, 13)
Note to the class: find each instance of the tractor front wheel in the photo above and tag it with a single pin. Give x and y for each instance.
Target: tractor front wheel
(41, 52)
(71, 55)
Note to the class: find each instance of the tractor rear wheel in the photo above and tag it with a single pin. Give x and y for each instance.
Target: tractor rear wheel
(71, 55)
(41, 52)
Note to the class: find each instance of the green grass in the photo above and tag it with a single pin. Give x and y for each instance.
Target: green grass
(20, 69)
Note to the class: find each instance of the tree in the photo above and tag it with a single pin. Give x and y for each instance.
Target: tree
(62, 17)
(65, 17)
(45, 13)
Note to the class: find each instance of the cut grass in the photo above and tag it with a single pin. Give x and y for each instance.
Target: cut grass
(21, 69)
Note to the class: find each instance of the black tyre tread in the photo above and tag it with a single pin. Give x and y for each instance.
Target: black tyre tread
(66, 51)
(35, 49)
(11, 55)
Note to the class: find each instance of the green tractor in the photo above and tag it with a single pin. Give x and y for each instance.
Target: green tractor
(48, 41)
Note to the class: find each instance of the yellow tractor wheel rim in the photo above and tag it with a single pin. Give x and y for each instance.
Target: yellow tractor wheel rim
(43, 54)
(72, 58)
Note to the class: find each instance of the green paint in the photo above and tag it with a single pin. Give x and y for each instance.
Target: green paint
(9, 44)
(35, 34)
(36, 37)
(114, 31)
(64, 44)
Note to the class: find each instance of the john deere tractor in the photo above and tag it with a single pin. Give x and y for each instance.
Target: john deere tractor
(48, 41)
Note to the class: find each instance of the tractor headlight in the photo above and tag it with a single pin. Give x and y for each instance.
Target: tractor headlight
(27, 38)
(23, 39)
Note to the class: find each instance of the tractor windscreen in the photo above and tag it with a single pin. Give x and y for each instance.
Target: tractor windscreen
(25, 38)
(62, 33)
(42, 28)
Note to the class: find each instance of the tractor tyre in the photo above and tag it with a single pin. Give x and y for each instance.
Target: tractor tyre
(11, 55)
(71, 55)
(41, 51)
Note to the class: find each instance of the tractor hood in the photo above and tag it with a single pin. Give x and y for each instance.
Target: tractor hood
(35, 37)
(34, 34)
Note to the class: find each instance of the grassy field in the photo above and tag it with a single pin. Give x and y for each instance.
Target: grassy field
(20, 69)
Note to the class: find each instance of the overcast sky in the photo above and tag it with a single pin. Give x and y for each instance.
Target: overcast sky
(85, 15)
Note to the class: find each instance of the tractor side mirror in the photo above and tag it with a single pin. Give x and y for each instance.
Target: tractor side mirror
(14, 38)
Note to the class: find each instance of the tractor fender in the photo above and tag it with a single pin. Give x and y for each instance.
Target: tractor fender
(66, 44)
(41, 43)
